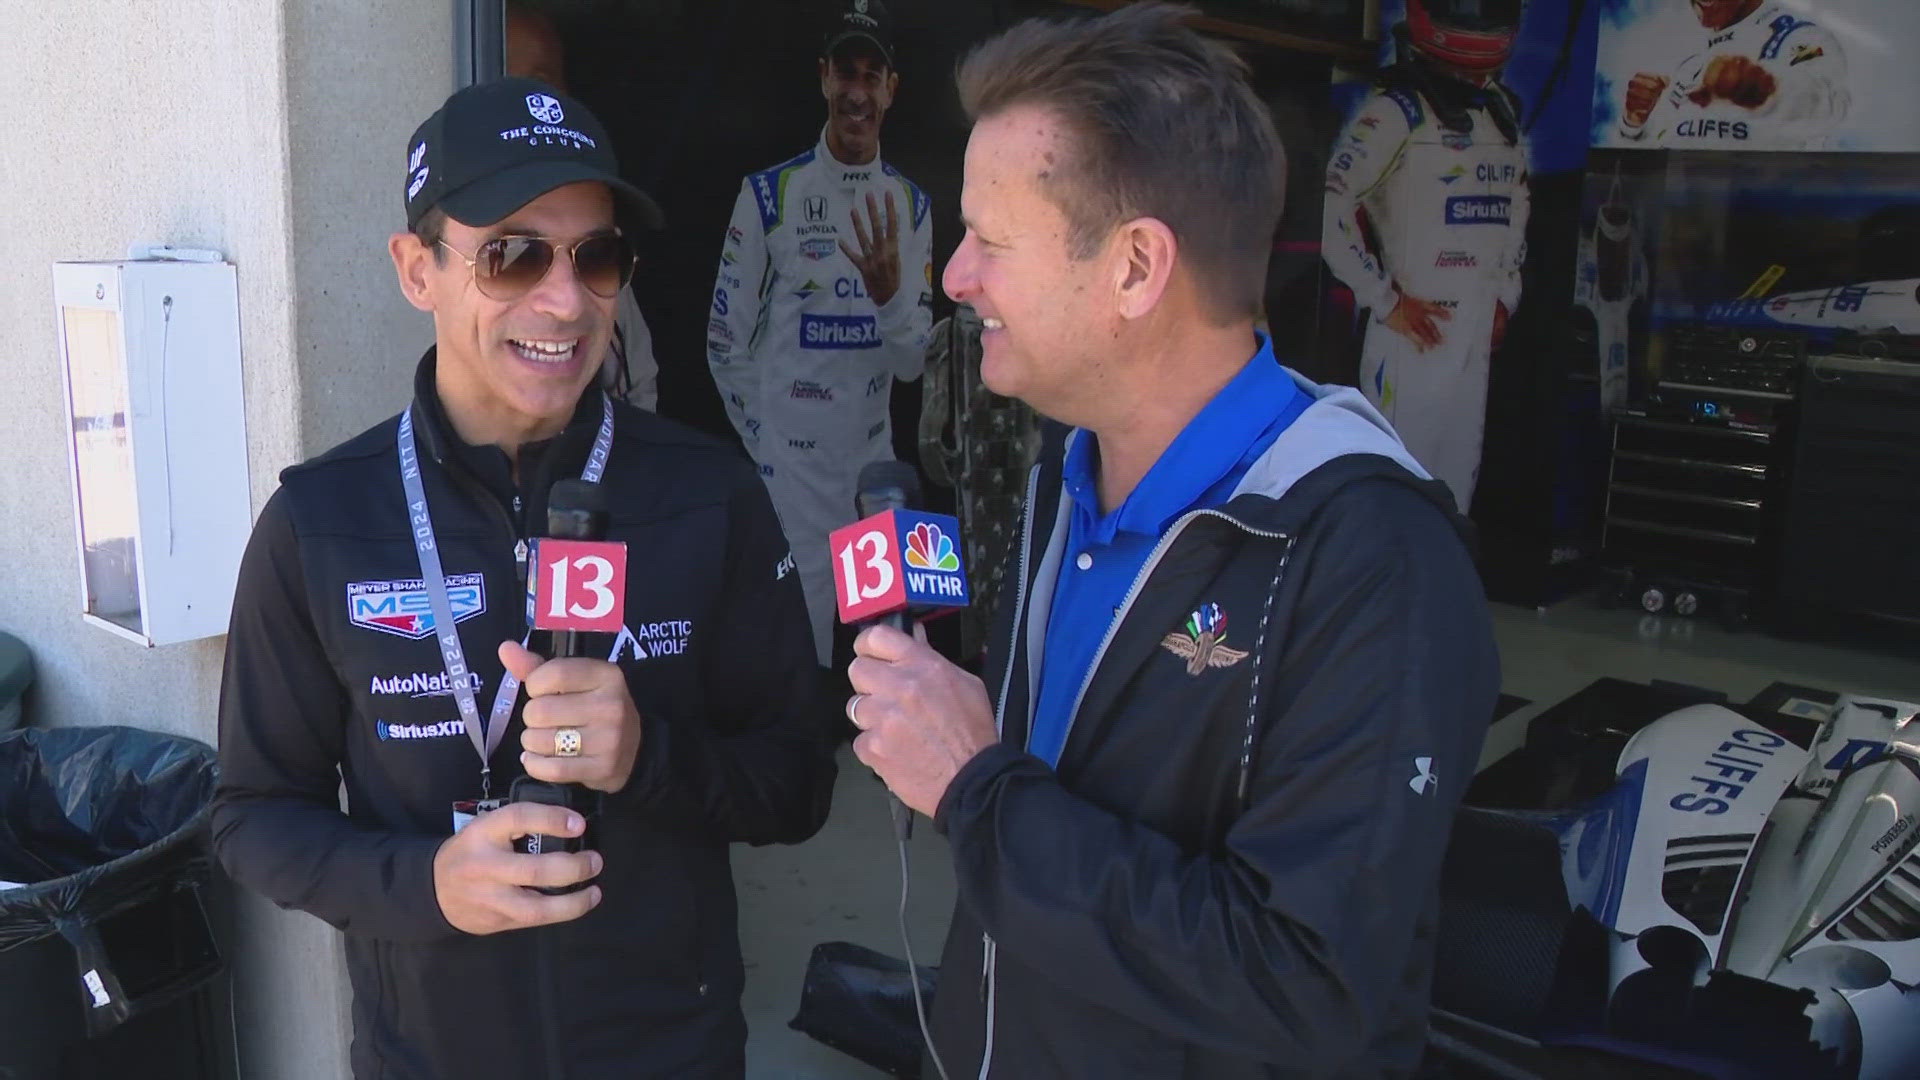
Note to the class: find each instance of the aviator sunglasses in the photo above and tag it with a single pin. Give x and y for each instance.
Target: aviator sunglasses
(508, 267)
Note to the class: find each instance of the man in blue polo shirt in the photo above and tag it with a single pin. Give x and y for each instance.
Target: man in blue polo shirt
(1198, 807)
(1198, 470)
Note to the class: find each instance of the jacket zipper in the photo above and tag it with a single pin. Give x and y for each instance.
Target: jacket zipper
(544, 983)
(1019, 600)
(986, 1051)
(988, 948)
(1133, 593)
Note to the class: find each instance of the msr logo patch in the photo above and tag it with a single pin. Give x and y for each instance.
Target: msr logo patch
(401, 607)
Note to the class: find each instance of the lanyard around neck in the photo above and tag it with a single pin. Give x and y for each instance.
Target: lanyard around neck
(485, 738)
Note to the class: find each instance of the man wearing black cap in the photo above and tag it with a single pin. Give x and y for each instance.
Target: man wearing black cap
(698, 729)
(817, 308)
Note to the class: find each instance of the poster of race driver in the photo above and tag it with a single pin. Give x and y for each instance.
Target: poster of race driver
(1425, 222)
(1758, 75)
(823, 298)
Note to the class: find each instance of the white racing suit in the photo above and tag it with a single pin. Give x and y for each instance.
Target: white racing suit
(1809, 99)
(1415, 207)
(802, 357)
(1610, 297)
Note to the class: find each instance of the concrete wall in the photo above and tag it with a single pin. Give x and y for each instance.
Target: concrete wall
(360, 77)
(273, 131)
(147, 123)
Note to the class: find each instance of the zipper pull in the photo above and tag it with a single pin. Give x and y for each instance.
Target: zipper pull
(986, 965)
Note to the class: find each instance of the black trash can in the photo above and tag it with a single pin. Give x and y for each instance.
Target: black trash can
(105, 948)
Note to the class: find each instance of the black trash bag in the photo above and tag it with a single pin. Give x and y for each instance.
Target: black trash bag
(104, 831)
(860, 1003)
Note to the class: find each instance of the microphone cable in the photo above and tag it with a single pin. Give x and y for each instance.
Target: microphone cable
(913, 969)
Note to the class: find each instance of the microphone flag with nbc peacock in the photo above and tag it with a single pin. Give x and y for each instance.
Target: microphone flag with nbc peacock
(897, 560)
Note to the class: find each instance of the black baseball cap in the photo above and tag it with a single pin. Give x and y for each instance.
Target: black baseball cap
(861, 20)
(496, 146)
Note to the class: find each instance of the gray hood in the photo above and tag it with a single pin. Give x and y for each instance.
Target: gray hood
(1340, 422)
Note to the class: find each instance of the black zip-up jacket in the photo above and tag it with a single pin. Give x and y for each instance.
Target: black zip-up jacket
(326, 681)
(1232, 873)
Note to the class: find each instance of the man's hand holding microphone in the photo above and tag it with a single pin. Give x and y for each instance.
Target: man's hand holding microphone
(522, 864)
(920, 717)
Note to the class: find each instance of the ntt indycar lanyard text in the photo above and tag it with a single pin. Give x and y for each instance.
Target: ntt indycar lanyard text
(485, 739)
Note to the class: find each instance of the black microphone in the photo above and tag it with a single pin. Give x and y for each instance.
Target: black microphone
(884, 486)
(576, 510)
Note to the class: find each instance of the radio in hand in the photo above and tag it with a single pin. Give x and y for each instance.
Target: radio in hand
(577, 585)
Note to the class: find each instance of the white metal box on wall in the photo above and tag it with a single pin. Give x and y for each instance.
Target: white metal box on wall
(156, 435)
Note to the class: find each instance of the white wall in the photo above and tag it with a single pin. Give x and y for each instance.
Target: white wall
(273, 131)
(158, 122)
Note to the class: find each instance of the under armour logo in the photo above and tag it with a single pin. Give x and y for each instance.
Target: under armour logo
(1424, 777)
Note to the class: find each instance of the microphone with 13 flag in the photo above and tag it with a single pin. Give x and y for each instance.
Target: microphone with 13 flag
(896, 561)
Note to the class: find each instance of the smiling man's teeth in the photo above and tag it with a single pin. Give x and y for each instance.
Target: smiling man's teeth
(992, 324)
(545, 352)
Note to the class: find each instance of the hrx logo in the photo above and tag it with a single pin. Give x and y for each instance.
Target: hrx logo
(418, 171)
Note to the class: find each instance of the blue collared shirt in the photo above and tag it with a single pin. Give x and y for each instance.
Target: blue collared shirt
(1200, 468)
